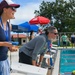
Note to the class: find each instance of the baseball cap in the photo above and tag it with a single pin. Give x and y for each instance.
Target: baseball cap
(10, 3)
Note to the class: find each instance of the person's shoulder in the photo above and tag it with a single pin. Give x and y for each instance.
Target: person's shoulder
(41, 38)
(62, 36)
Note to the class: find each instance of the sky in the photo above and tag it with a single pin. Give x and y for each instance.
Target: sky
(26, 10)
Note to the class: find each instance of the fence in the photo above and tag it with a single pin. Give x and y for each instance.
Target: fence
(59, 40)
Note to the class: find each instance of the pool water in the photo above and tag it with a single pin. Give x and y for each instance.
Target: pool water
(67, 61)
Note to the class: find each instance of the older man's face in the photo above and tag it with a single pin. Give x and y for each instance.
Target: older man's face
(53, 35)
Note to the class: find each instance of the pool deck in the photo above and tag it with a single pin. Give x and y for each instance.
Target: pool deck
(56, 65)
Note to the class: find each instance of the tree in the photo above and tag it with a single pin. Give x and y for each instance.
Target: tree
(63, 12)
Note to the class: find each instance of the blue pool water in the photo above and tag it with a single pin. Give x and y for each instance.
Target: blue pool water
(67, 61)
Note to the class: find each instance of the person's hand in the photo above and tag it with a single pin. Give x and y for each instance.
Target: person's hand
(8, 44)
(38, 65)
(13, 48)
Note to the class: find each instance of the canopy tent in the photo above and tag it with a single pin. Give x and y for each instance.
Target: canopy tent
(26, 27)
(34, 28)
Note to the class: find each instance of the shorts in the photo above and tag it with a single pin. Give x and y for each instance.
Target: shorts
(72, 40)
(64, 43)
(23, 58)
(4, 67)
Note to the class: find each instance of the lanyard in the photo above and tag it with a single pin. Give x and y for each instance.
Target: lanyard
(5, 31)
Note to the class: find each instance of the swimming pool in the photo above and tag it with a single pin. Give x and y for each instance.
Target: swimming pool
(67, 61)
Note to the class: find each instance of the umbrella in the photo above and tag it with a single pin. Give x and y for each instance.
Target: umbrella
(39, 20)
(26, 27)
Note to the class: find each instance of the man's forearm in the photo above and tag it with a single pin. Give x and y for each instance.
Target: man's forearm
(34, 62)
(41, 59)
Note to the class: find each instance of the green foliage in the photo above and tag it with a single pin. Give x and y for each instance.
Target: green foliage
(61, 10)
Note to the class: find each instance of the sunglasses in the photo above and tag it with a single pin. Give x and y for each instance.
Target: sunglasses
(55, 33)
(13, 8)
